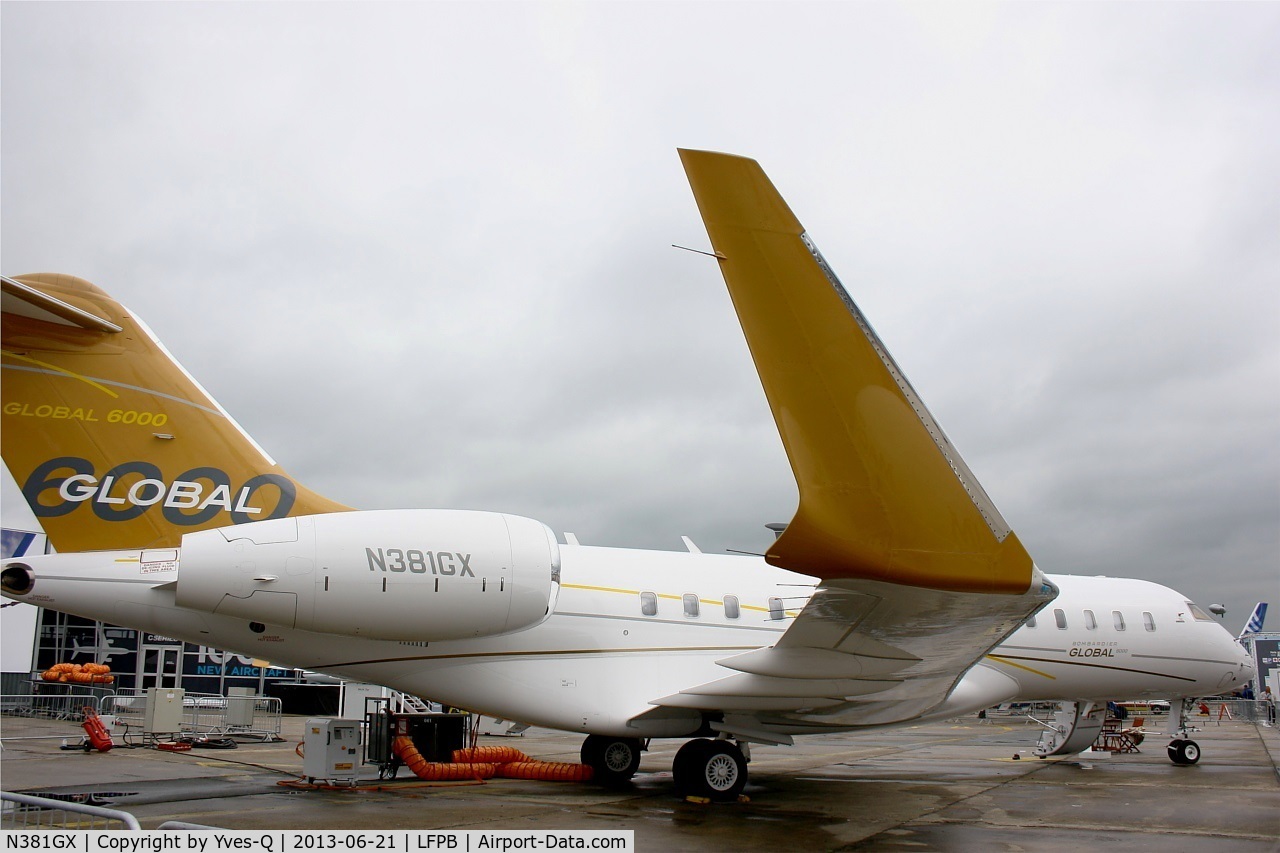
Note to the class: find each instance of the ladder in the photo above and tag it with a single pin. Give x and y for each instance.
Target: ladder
(407, 703)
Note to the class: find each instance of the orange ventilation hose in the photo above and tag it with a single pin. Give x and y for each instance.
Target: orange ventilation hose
(491, 754)
(484, 762)
(89, 673)
(434, 771)
(514, 764)
(546, 771)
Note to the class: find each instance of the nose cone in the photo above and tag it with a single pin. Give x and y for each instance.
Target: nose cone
(1243, 669)
(1245, 659)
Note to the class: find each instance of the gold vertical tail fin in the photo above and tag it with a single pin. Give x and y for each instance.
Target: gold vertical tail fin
(112, 442)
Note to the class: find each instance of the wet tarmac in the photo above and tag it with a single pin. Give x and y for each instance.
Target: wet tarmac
(943, 786)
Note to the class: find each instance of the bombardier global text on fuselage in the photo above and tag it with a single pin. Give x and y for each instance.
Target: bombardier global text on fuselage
(897, 592)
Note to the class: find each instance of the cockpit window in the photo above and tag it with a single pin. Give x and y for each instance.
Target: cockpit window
(1199, 614)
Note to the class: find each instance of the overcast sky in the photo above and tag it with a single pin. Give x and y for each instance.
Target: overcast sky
(422, 251)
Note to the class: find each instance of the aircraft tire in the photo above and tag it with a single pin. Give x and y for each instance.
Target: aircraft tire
(714, 769)
(614, 759)
(1184, 752)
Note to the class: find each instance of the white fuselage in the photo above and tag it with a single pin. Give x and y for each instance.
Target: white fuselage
(598, 660)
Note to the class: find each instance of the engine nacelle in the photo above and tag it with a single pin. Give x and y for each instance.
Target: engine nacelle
(422, 575)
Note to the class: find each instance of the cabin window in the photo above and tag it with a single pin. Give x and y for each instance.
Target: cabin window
(1118, 618)
(1031, 623)
(690, 605)
(731, 608)
(649, 603)
(1148, 621)
(1060, 618)
(776, 610)
(1089, 622)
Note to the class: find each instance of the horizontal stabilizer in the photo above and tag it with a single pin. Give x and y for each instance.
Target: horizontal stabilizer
(24, 300)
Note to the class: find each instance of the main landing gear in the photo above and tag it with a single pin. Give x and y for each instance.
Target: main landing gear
(614, 759)
(714, 769)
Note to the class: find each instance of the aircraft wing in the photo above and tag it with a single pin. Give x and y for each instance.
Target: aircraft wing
(919, 574)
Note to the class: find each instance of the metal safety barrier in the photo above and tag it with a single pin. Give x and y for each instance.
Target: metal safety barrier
(204, 714)
(1041, 712)
(23, 811)
(59, 706)
(26, 811)
(1239, 710)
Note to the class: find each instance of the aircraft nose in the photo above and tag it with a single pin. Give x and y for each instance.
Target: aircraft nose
(1243, 670)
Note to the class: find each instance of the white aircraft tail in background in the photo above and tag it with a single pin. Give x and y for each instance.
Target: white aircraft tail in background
(1254, 624)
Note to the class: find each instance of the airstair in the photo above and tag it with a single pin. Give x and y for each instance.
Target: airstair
(407, 703)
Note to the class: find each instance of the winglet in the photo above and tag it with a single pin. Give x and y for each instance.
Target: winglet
(883, 493)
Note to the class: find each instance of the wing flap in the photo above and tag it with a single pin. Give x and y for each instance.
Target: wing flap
(886, 652)
(785, 662)
(776, 704)
(750, 684)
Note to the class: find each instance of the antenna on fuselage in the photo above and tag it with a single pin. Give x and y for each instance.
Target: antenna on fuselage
(776, 526)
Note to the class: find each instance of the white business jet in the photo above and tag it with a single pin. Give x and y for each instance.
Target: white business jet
(896, 594)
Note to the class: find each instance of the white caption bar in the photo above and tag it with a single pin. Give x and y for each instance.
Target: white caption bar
(298, 841)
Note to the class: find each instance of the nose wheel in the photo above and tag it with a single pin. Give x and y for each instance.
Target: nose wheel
(1182, 751)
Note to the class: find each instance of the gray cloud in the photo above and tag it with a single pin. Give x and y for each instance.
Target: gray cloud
(422, 251)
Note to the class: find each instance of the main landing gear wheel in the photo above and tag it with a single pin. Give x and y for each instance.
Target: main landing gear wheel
(614, 759)
(1184, 751)
(714, 769)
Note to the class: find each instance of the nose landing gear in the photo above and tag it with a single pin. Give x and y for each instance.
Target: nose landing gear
(1182, 749)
